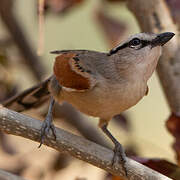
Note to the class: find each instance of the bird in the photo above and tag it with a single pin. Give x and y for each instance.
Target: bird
(99, 84)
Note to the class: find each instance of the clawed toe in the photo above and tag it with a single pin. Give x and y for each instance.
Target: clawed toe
(119, 157)
(46, 127)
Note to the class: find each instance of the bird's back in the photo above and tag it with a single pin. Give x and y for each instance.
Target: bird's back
(95, 63)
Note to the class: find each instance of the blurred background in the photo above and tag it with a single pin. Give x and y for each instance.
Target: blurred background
(79, 24)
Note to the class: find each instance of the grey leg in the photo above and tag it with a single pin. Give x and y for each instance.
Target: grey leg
(118, 149)
(47, 124)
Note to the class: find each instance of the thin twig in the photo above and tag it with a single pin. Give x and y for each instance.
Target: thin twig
(21, 125)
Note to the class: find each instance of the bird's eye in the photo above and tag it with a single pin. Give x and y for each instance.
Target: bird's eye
(135, 42)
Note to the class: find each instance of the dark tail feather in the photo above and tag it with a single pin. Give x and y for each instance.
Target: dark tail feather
(29, 98)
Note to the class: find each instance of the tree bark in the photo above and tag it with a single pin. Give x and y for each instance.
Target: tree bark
(21, 125)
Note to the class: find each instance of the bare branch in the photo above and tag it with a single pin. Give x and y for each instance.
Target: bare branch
(154, 16)
(21, 125)
(4, 175)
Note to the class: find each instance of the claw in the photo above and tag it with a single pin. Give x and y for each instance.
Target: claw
(46, 127)
(53, 131)
(119, 157)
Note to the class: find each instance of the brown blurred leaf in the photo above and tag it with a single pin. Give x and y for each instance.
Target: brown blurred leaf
(131, 150)
(162, 166)
(114, 29)
(174, 6)
(173, 125)
(60, 162)
(59, 6)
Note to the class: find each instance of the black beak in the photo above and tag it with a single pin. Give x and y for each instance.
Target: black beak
(162, 38)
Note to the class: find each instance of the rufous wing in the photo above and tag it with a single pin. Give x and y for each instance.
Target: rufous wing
(71, 74)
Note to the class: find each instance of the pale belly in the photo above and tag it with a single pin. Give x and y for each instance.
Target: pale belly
(105, 102)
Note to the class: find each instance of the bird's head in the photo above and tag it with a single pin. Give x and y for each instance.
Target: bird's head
(143, 40)
(140, 52)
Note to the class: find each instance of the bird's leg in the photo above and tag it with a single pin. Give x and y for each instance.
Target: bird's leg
(47, 124)
(119, 153)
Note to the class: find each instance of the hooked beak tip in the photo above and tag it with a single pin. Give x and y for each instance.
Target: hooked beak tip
(163, 38)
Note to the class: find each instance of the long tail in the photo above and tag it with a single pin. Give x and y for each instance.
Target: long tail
(29, 98)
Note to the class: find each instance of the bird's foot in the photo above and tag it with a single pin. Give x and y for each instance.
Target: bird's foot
(119, 157)
(45, 128)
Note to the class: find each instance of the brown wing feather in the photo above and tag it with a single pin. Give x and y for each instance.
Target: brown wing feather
(70, 73)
